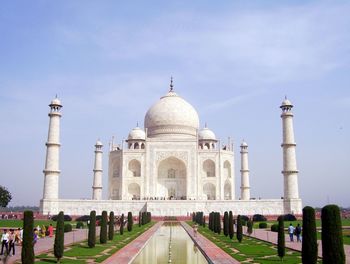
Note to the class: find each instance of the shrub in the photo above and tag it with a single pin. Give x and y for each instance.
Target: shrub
(80, 225)
(259, 218)
(92, 230)
(332, 237)
(27, 254)
(67, 227)
(59, 237)
(274, 228)
(309, 242)
(103, 229)
(244, 218)
(239, 229)
(280, 241)
(226, 224)
(244, 222)
(121, 230)
(289, 217)
(83, 218)
(250, 227)
(111, 226)
(130, 221)
(67, 218)
(230, 225)
(263, 225)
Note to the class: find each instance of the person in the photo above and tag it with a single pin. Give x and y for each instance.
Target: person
(18, 239)
(298, 233)
(50, 229)
(291, 232)
(5, 242)
(195, 229)
(35, 237)
(12, 242)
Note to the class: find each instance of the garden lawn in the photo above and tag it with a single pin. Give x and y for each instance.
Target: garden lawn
(81, 253)
(250, 249)
(15, 223)
(345, 222)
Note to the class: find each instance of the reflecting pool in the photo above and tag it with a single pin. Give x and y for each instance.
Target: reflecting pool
(173, 239)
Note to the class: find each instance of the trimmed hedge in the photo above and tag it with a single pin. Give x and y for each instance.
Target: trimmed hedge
(67, 228)
(259, 218)
(83, 218)
(27, 255)
(274, 228)
(92, 230)
(103, 229)
(80, 225)
(309, 242)
(289, 217)
(239, 229)
(67, 218)
(281, 249)
(263, 225)
(59, 237)
(111, 226)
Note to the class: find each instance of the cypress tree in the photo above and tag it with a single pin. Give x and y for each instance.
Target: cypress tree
(130, 221)
(111, 226)
(203, 220)
(309, 242)
(27, 255)
(218, 221)
(250, 226)
(92, 230)
(210, 221)
(332, 237)
(59, 237)
(193, 217)
(226, 224)
(121, 224)
(103, 229)
(140, 219)
(230, 225)
(281, 242)
(239, 229)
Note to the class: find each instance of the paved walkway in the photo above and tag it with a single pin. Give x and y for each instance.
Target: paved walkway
(213, 253)
(46, 244)
(271, 237)
(131, 250)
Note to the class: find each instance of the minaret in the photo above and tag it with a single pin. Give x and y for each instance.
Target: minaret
(245, 187)
(52, 163)
(97, 184)
(290, 171)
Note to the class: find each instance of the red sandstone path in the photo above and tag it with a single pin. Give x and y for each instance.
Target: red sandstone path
(212, 252)
(271, 237)
(46, 244)
(131, 250)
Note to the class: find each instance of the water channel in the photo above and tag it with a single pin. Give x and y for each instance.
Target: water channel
(170, 244)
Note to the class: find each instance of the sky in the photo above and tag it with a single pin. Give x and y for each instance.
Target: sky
(234, 61)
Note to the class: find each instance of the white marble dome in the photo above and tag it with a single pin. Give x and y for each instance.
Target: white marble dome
(171, 116)
(206, 134)
(137, 134)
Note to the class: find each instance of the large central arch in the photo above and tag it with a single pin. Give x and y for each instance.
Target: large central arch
(171, 180)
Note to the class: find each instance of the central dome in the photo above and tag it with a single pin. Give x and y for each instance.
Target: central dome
(171, 116)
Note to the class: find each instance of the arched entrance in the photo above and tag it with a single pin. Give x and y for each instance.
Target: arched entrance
(227, 190)
(209, 191)
(134, 191)
(171, 182)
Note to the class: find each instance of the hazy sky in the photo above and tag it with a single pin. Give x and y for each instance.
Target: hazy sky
(234, 61)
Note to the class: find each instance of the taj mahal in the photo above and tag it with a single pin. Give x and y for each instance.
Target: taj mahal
(171, 167)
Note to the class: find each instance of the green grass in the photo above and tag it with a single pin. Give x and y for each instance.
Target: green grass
(81, 253)
(15, 223)
(345, 222)
(250, 248)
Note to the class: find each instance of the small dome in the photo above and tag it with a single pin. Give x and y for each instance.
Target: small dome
(171, 116)
(137, 133)
(286, 102)
(55, 101)
(98, 143)
(244, 144)
(206, 134)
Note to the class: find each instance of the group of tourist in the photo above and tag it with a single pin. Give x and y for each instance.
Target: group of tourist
(9, 239)
(294, 231)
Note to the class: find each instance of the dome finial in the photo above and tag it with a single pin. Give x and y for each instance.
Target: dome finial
(205, 125)
(171, 84)
(137, 124)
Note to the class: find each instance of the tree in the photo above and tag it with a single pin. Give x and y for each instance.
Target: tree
(140, 218)
(103, 229)
(250, 226)
(239, 229)
(59, 238)
(332, 237)
(203, 220)
(226, 224)
(130, 221)
(121, 230)
(309, 242)
(111, 226)
(280, 241)
(230, 225)
(218, 222)
(5, 196)
(27, 255)
(92, 230)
